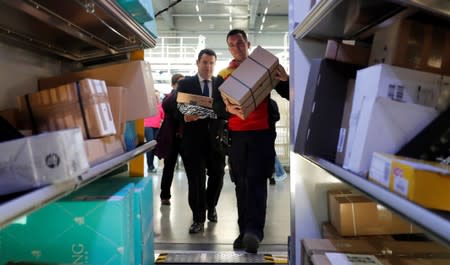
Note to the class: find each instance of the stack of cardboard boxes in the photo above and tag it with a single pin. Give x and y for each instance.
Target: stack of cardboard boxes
(252, 81)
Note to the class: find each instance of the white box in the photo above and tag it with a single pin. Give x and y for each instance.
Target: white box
(396, 83)
(42, 159)
(384, 126)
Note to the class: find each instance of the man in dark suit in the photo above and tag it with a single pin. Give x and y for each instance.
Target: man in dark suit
(201, 147)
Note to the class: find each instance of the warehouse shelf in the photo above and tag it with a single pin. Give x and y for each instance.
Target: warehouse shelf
(22, 205)
(76, 30)
(436, 223)
(339, 19)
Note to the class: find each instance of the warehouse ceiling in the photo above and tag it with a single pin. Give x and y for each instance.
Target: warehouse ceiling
(218, 16)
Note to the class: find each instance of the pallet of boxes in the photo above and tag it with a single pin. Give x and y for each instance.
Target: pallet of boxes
(252, 81)
(78, 121)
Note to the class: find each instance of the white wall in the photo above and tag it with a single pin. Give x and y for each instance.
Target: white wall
(19, 72)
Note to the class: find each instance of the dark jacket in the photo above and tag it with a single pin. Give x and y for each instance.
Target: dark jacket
(197, 131)
(170, 127)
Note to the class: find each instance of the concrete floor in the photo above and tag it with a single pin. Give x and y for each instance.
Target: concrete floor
(171, 223)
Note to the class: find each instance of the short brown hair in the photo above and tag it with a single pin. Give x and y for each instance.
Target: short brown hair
(175, 78)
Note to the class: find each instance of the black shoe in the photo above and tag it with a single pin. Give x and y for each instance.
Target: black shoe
(238, 243)
(196, 227)
(251, 243)
(272, 181)
(212, 215)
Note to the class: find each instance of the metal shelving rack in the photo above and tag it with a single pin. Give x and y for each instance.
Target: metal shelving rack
(22, 205)
(437, 224)
(76, 31)
(329, 19)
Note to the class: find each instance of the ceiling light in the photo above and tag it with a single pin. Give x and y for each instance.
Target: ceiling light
(263, 19)
(261, 28)
(231, 27)
(231, 19)
(230, 9)
(200, 18)
(265, 10)
(196, 8)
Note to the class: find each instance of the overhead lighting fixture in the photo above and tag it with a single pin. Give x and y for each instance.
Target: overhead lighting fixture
(231, 19)
(200, 18)
(261, 27)
(231, 27)
(265, 10)
(196, 8)
(230, 9)
(263, 19)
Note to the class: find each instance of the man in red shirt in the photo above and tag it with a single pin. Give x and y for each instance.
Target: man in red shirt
(252, 150)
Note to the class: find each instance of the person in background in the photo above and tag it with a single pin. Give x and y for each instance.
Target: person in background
(151, 128)
(169, 140)
(201, 145)
(280, 174)
(252, 150)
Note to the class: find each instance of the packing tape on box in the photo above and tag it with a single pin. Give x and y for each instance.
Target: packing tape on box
(83, 113)
(267, 69)
(353, 211)
(249, 89)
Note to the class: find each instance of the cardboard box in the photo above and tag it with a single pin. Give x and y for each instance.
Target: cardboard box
(353, 54)
(83, 104)
(252, 81)
(345, 123)
(383, 127)
(11, 115)
(320, 259)
(356, 215)
(101, 149)
(413, 179)
(321, 116)
(328, 231)
(194, 100)
(117, 96)
(379, 248)
(40, 160)
(411, 44)
(400, 84)
(93, 225)
(383, 97)
(135, 76)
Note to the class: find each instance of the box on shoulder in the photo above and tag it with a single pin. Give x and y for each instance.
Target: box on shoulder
(252, 81)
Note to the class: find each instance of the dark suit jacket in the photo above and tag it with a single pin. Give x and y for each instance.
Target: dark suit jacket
(195, 133)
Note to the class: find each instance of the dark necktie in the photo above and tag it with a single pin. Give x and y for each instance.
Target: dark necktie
(205, 88)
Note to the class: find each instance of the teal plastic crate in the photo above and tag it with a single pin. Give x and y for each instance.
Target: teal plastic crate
(143, 215)
(93, 225)
(140, 10)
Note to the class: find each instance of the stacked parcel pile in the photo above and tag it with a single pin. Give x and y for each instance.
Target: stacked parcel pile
(252, 81)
